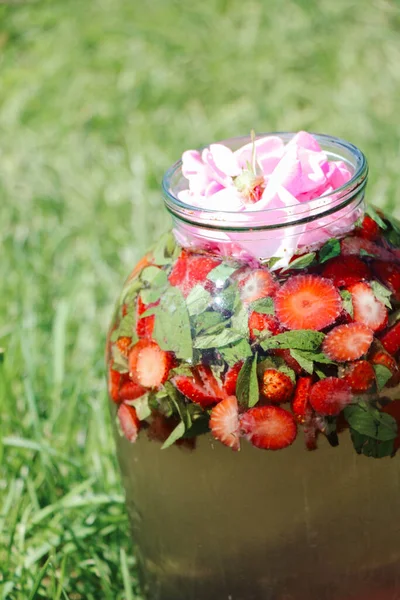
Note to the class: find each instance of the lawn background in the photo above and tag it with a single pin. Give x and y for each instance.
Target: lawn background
(97, 99)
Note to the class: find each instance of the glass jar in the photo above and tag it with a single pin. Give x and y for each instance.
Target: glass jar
(279, 337)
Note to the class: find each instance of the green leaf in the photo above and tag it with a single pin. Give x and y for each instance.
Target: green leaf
(141, 406)
(222, 272)
(236, 352)
(199, 427)
(264, 306)
(180, 406)
(228, 299)
(174, 436)
(166, 251)
(305, 339)
(153, 275)
(371, 447)
(304, 361)
(150, 295)
(182, 369)
(219, 340)
(247, 383)
(330, 249)
(120, 362)
(130, 291)
(301, 262)
(198, 300)
(370, 422)
(172, 325)
(347, 302)
(365, 253)
(240, 321)
(381, 293)
(271, 262)
(210, 323)
(370, 210)
(320, 373)
(382, 375)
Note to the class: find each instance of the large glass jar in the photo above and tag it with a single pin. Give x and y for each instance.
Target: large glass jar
(231, 336)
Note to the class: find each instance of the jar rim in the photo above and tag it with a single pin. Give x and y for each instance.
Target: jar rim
(336, 149)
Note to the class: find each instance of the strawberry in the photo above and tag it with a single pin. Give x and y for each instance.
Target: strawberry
(288, 358)
(307, 302)
(300, 403)
(224, 422)
(346, 270)
(360, 376)
(329, 396)
(261, 322)
(391, 339)
(114, 381)
(123, 344)
(230, 379)
(200, 388)
(269, 427)
(347, 342)
(259, 284)
(277, 387)
(383, 358)
(144, 325)
(148, 364)
(191, 269)
(129, 422)
(357, 245)
(389, 274)
(393, 409)
(209, 381)
(367, 308)
(369, 229)
(130, 390)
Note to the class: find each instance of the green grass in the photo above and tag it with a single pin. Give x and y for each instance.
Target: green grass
(96, 100)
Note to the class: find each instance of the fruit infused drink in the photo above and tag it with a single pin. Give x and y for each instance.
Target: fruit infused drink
(253, 376)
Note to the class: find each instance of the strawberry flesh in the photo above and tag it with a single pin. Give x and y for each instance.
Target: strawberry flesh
(259, 284)
(347, 342)
(230, 379)
(261, 322)
(360, 376)
(269, 427)
(149, 366)
(389, 274)
(144, 325)
(224, 422)
(190, 270)
(369, 229)
(367, 308)
(301, 400)
(129, 422)
(346, 270)
(329, 396)
(391, 339)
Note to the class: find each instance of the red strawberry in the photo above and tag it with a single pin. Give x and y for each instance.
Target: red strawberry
(383, 358)
(288, 358)
(391, 339)
(369, 229)
(269, 427)
(144, 325)
(389, 274)
(191, 269)
(202, 388)
(148, 364)
(329, 396)
(259, 284)
(357, 245)
(360, 376)
(224, 422)
(367, 309)
(231, 379)
(130, 390)
(123, 344)
(300, 403)
(114, 380)
(261, 322)
(209, 381)
(393, 409)
(129, 422)
(347, 342)
(276, 386)
(345, 270)
(307, 302)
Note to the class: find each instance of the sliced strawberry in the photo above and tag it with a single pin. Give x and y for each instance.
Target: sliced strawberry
(130, 391)
(360, 376)
(277, 387)
(300, 403)
(389, 274)
(123, 344)
(288, 358)
(259, 284)
(202, 388)
(224, 422)
(190, 270)
(129, 422)
(261, 322)
(178, 274)
(230, 379)
(144, 325)
(348, 342)
(269, 427)
(148, 364)
(369, 229)
(367, 308)
(383, 358)
(360, 246)
(114, 381)
(346, 270)
(391, 339)
(393, 409)
(329, 396)
(307, 302)
(209, 381)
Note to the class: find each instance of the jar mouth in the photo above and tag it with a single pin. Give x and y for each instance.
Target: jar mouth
(271, 218)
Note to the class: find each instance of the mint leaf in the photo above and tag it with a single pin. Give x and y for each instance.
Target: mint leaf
(119, 361)
(198, 300)
(247, 383)
(151, 274)
(154, 280)
(174, 436)
(166, 250)
(381, 293)
(236, 352)
(301, 262)
(130, 291)
(371, 447)
(222, 272)
(240, 321)
(218, 340)
(365, 253)
(210, 322)
(264, 306)
(320, 373)
(382, 375)
(228, 299)
(370, 210)
(172, 325)
(271, 262)
(370, 422)
(141, 406)
(347, 302)
(305, 339)
(329, 250)
(304, 361)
